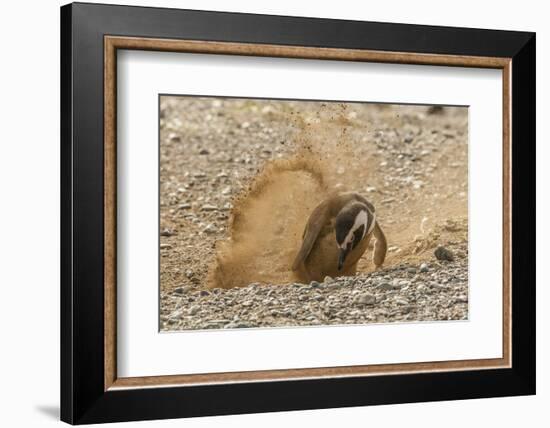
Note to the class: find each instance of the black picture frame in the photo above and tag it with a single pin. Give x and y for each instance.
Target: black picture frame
(83, 398)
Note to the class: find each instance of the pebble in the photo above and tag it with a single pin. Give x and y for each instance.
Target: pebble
(424, 268)
(194, 310)
(182, 290)
(167, 232)
(386, 286)
(204, 152)
(165, 246)
(209, 207)
(211, 228)
(422, 288)
(442, 253)
(365, 299)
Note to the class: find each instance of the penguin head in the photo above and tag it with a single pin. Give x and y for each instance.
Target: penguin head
(350, 228)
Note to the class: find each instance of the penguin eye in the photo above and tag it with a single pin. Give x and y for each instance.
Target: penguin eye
(357, 236)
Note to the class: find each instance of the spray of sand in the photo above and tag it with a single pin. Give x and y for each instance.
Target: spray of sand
(268, 218)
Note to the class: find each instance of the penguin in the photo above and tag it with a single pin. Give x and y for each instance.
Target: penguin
(336, 235)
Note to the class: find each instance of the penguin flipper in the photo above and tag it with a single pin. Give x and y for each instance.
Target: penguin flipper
(380, 246)
(317, 220)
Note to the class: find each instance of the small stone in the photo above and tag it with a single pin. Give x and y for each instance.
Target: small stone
(204, 293)
(210, 228)
(424, 268)
(437, 286)
(442, 253)
(181, 290)
(165, 246)
(239, 325)
(226, 191)
(314, 284)
(328, 280)
(385, 286)
(184, 206)
(199, 175)
(401, 301)
(365, 299)
(422, 288)
(167, 232)
(411, 270)
(204, 152)
(189, 273)
(193, 310)
(209, 207)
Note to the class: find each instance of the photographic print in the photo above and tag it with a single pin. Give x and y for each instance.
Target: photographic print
(286, 213)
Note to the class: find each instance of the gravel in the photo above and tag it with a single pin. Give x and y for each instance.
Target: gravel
(384, 296)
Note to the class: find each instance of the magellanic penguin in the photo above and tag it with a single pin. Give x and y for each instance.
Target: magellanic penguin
(336, 236)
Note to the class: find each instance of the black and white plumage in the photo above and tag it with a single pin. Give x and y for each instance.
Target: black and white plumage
(336, 235)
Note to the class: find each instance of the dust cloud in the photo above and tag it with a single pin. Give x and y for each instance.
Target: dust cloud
(268, 217)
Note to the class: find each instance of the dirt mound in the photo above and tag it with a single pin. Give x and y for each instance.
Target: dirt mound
(268, 218)
(266, 225)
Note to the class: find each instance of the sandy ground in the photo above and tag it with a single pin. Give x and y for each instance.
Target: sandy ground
(409, 161)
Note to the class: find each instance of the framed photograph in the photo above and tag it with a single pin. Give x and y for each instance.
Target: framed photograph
(265, 213)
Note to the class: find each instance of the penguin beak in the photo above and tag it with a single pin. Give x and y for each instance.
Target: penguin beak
(342, 258)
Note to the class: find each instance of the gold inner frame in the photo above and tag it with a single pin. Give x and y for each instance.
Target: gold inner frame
(112, 43)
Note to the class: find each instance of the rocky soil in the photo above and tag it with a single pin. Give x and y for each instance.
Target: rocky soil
(416, 158)
(434, 292)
